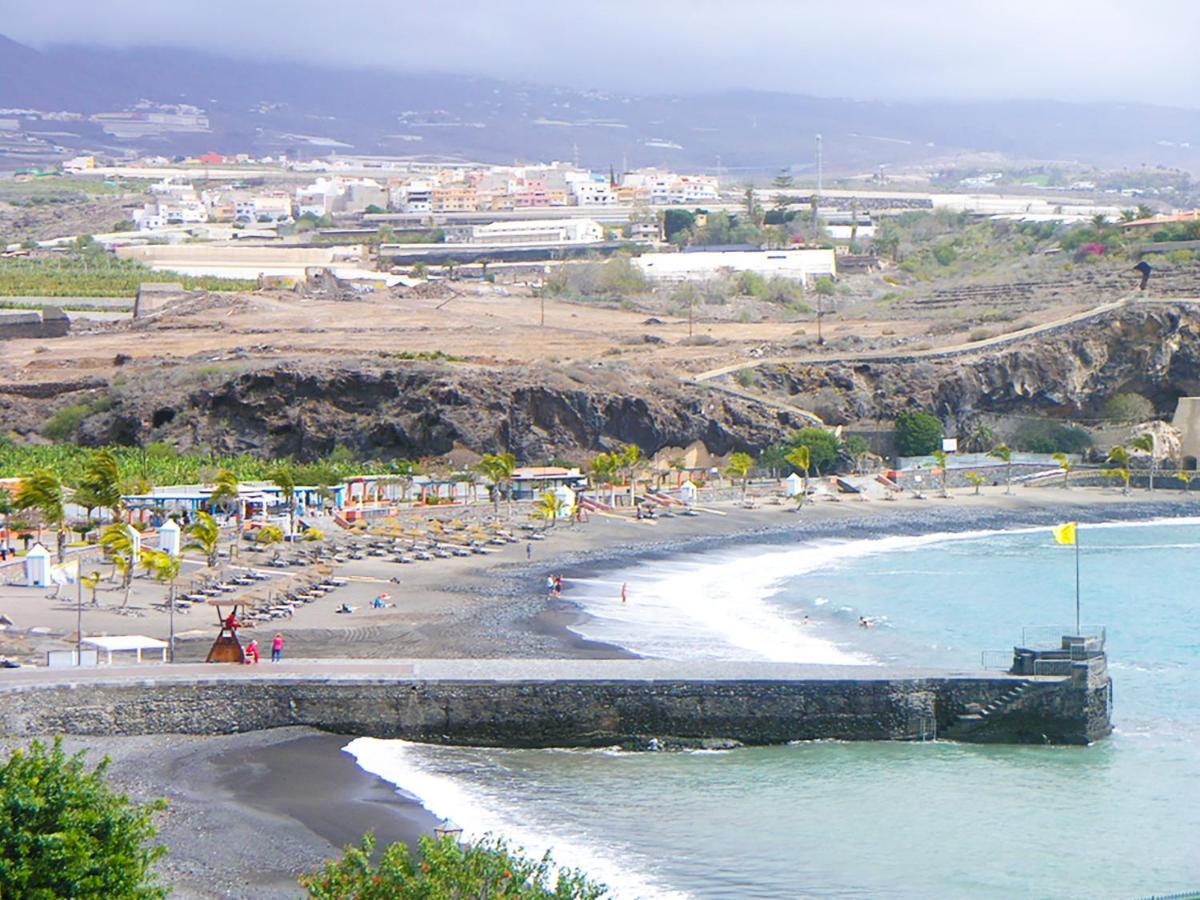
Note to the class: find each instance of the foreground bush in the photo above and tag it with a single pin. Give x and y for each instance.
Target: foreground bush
(65, 833)
(443, 868)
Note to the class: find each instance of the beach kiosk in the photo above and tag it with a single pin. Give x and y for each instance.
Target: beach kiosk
(793, 485)
(688, 492)
(226, 648)
(168, 537)
(37, 567)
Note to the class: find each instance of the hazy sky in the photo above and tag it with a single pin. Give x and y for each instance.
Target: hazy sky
(890, 49)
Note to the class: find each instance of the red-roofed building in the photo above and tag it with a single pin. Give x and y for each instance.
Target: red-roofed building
(211, 158)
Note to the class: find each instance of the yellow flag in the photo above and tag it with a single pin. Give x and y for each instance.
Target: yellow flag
(1065, 533)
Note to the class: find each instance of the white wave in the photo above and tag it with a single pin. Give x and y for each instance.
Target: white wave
(719, 605)
(481, 811)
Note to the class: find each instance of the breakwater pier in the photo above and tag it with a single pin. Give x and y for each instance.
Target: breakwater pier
(1057, 697)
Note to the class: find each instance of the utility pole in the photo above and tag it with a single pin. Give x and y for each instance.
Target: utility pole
(820, 185)
(79, 613)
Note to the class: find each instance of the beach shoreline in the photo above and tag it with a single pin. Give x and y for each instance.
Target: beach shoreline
(248, 813)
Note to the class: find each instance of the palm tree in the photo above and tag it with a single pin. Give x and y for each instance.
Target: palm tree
(269, 535)
(225, 492)
(1065, 464)
(6, 508)
(285, 479)
(92, 583)
(498, 468)
(1118, 457)
(800, 458)
(43, 491)
(1003, 453)
(739, 467)
(549, 507)
(205, 536)
(102, 483)
(941, 458)
(1145, 441)
(976, 479)
(165, 568)
(118, 543)
(603, 471)
(628, 459)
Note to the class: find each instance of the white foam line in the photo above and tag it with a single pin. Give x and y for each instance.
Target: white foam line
(480, 813)
(717, 605)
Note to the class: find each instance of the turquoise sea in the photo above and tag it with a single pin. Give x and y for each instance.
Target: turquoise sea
(1118, 819)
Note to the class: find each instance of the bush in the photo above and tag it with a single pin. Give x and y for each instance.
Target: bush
(444, 868)
(63, 425)
(825, 286)
(1128, 408)
(918, 433)
(64, 833)
(1043, 436)
(823, 447)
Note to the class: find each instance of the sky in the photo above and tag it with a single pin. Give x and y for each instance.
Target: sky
(865, 49)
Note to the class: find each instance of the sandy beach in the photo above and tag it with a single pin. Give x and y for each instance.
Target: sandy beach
(247, 813)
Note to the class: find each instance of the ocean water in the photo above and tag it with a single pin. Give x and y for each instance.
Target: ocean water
(1119, 819)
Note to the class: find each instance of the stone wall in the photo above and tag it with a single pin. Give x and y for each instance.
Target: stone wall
(555, 713)
(49, 322)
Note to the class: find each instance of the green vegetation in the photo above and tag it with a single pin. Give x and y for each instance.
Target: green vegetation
(42, 191)
(1045, 436)
(425, 356)
(444, 868)
(822, 446)
(1128, 408)
(918, 433)
(160, 464)
(65, 833)
(612, 279)
(94, 274)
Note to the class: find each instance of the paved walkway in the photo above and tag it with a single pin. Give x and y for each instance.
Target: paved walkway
(499, 670)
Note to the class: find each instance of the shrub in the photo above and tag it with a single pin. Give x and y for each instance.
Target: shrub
(825, 286)
(1044, 436)
(63, 425)
(443, 867)
(823, 447)
(1128, 407)
(918, 433)
(65, 833)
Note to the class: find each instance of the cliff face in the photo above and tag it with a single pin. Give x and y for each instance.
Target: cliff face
(427, 410)
(418, 409)
(1152, 350)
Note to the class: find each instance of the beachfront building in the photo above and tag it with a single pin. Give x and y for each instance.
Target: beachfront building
(258, 499)
(530, 482)
(801, 265)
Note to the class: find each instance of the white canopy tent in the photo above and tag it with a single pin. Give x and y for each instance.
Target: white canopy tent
(117, 643)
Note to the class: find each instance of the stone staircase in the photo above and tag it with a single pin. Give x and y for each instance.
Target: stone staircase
(976, 716)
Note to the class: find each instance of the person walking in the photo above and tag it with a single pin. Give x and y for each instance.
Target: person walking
(528, 551)
(252, 652)
(277, 648)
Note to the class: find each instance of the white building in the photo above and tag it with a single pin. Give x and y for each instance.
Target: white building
(801, 265)
(588, 190)
(267, 207)
(539, 231)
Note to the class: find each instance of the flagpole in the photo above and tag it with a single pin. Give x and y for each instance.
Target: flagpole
(1077, 629)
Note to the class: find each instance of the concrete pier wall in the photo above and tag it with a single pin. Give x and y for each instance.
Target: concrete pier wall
(579, 712)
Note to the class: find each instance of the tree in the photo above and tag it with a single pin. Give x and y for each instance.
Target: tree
(65, 833)
(549, 507)
(444, 868)
(628, 459)
(739, 467)
(1145, 442)
(91, 581)
(1003, 453)
(603, 470)
(165, 569)
(977, 480)
(1128, 407)
(498, 468)
(918, 433)
(823, 447)
(1118, 458)
(1064, 463)
(800, 458)
(285, 478)
(102, 482)
(205, 535)
(270, 535)
(225, 493)
(118, 544)
(43, 492)
(942, 459)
